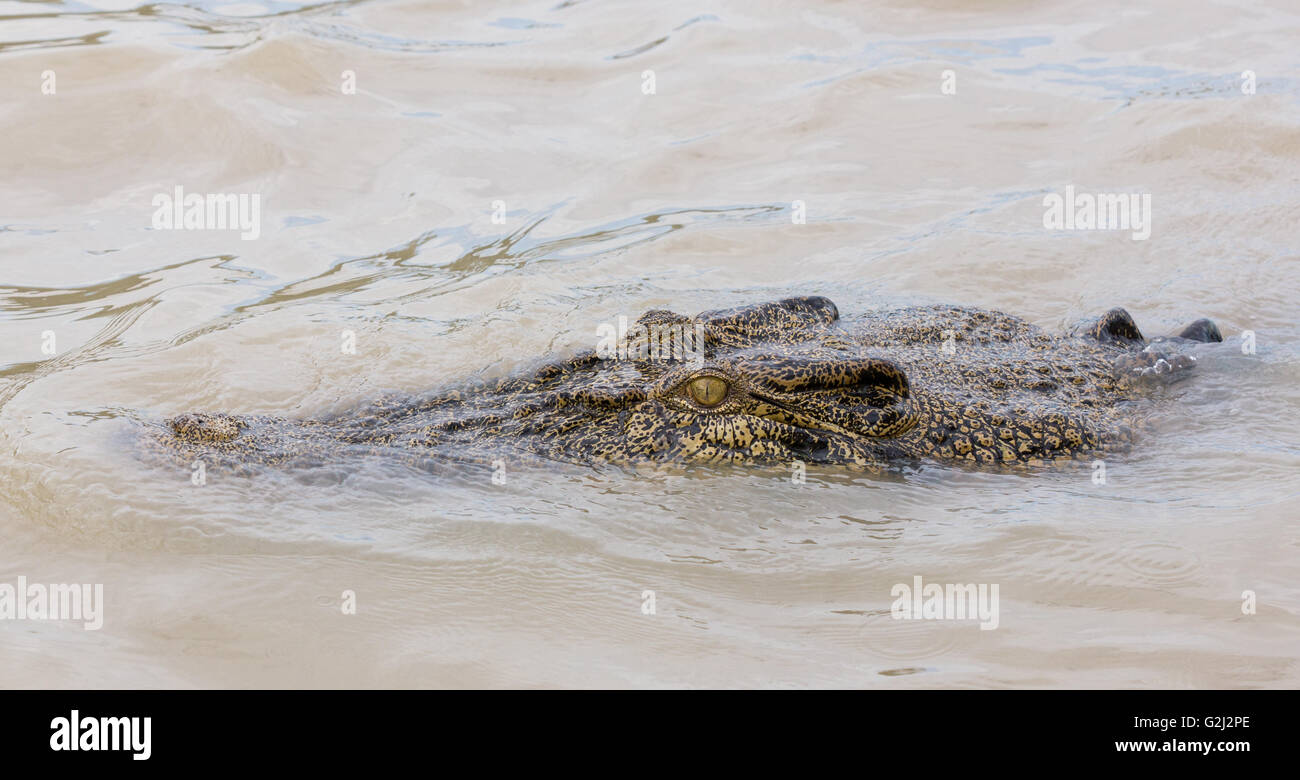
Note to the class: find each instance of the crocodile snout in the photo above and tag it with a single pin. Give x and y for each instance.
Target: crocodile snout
(206, 427)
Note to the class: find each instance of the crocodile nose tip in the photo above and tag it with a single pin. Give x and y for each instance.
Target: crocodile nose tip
(205, 427)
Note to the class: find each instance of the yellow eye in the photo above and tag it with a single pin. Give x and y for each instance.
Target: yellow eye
(707, 390)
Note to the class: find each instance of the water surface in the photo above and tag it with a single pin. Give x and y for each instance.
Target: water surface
(377, 217)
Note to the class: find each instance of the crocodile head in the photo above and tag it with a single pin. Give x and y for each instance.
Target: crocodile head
(775, 382)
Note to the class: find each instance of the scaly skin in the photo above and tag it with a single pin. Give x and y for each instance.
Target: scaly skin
(778, 382)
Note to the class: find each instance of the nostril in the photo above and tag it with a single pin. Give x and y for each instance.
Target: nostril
(205, 427)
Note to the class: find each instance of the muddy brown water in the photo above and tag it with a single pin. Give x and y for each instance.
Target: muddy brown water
(500, 182)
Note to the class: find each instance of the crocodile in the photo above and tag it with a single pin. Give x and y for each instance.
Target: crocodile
(769, 383)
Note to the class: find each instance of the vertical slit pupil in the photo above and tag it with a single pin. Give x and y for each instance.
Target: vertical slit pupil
(708, 390)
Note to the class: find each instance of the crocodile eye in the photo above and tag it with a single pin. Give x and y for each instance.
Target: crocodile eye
(707, 390)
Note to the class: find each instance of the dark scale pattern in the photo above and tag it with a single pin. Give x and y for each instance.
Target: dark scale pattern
(936, 382)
